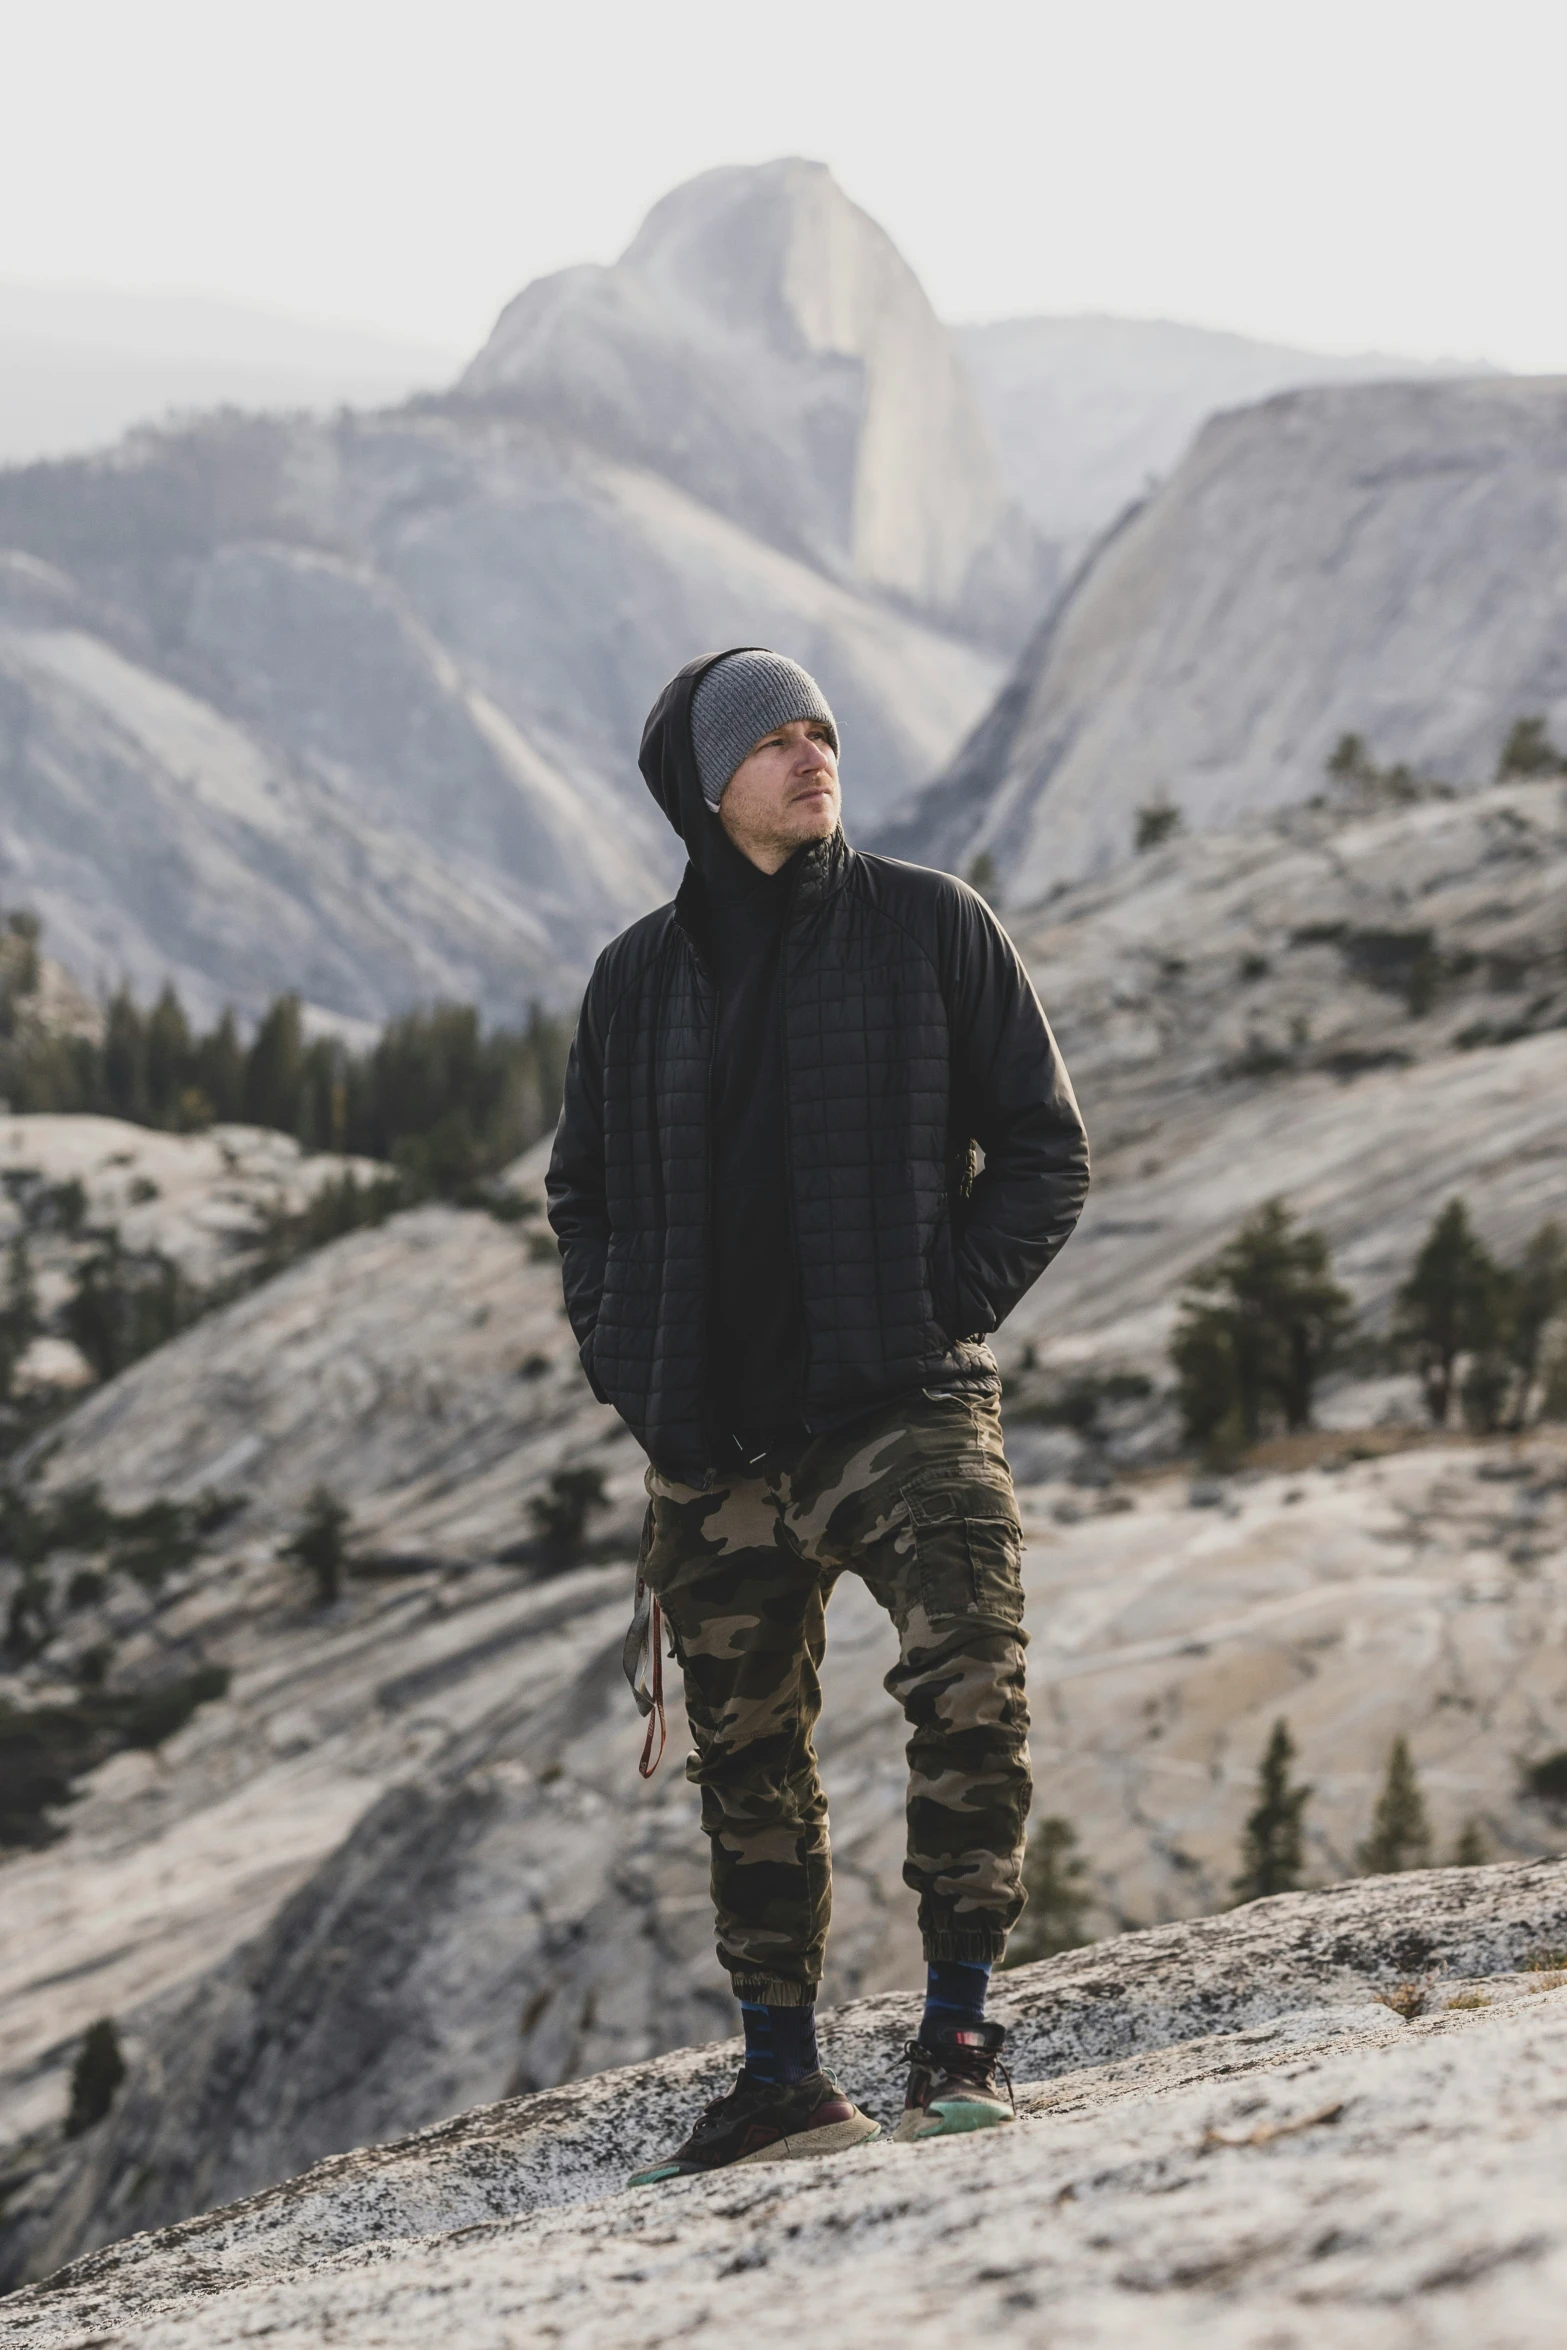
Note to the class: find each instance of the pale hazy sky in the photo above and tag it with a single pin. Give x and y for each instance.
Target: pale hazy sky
(1347, 174)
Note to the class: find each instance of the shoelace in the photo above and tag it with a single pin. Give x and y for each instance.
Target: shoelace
(977, 2066)
(715, 2115)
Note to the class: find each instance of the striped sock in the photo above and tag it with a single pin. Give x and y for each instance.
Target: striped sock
(780, 2043)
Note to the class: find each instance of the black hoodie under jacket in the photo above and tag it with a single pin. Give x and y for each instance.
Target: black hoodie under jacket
(909, 1031)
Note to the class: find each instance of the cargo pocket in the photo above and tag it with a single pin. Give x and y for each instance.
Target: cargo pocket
(968, 1545)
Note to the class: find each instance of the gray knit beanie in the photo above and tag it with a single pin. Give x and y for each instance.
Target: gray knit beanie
(741, 698)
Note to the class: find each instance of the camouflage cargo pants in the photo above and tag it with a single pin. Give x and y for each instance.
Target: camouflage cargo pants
(918, 1502)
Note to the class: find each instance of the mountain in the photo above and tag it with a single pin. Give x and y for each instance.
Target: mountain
(1090, 414)
(1332, 2115)
(350, 704)
(1382, 560)
(79, 366)
(762, 343)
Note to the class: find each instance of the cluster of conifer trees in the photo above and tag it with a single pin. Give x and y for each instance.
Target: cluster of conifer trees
(1263, 1320)
(1273, 1844)
(445, 1101)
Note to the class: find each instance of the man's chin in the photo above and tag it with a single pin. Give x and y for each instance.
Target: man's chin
(813, 823)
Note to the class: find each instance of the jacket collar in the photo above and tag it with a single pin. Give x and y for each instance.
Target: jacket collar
(821, 873)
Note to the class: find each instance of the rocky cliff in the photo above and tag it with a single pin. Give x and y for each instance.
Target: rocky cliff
(1328, 2114)
(762, 343)
(1380, 560)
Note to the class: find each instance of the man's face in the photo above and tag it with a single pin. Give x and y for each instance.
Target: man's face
(782, 794)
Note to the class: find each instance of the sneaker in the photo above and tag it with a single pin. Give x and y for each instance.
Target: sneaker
(952, 2083)
(758, 2122)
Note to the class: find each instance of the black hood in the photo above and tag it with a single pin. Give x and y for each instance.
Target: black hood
(668, 763)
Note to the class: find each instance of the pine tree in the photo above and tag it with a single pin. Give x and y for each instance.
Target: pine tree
(1473, 1847)
(95, 2077)
(274, 1067)
(168, 1058)
(125, 1059)
(1260, 1322)
(1400, 1835)
(1450, 1305)
(1272, 1850)
(1539, 1296)
(219, 1064)
(1055, 1879)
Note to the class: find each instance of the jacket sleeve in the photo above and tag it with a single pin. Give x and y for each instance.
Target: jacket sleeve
(1011, 1092)
(574, 1186)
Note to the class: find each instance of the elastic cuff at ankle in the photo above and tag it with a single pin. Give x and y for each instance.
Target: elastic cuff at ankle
(975, 1946)
(769, 1991)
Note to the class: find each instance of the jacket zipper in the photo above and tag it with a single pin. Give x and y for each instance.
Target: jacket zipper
(704, 974)
(788, 1123)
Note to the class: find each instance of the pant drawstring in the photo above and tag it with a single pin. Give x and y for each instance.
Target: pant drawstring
(655, 1720)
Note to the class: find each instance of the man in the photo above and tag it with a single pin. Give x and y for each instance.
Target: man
(781, 1267)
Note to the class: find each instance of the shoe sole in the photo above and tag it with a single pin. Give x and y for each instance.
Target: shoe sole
(832, 2138)
(959, 2119)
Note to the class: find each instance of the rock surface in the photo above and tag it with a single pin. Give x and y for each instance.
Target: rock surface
(1224, 2136)
(1378, 559)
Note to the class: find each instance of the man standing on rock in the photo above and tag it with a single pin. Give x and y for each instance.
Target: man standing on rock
(781, 1267)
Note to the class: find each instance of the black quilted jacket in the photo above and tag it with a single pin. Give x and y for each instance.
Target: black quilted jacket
(912, 1033)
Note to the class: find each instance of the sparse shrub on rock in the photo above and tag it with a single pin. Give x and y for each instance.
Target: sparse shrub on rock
(1529, 752)
(95, 2077)
(1156, 821)
(1546, 1780)
(320, 1544)
(560, 1515)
